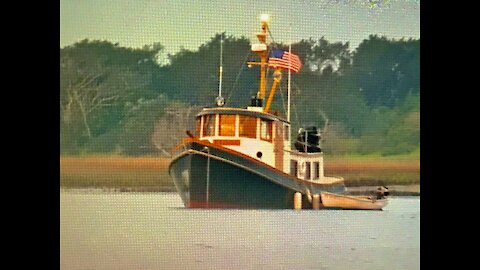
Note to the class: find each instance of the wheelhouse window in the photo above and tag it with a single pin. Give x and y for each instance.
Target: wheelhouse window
(198, 125)
(266, 130)
(247, 126)
(209, 125)
(226, 126)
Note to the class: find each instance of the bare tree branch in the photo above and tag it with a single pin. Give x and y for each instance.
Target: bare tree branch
(172, 126)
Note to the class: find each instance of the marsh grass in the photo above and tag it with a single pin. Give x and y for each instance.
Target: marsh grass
(114, 172)
(373, 170)
(151, 173)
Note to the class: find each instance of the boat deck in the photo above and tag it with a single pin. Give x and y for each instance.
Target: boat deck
(327, 180)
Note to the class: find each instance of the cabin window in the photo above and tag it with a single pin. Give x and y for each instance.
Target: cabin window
(286, 129)
(209, 125)
(293, 167)
(316, 170)
(226, 125)
(307, 170)
(266, 130)
(247, 126)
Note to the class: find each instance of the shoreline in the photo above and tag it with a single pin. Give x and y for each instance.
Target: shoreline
(395, 190)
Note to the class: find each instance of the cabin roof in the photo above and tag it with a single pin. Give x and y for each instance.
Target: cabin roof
(239, 111)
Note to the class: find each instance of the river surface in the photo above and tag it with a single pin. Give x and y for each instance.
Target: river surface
(107, 230)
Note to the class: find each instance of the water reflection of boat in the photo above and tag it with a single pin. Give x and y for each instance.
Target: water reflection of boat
(341, 201)
(242, 157)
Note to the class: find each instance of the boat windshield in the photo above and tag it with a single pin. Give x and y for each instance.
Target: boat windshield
(209, 125)
(226, 126)
(247, 126)
(198, 125)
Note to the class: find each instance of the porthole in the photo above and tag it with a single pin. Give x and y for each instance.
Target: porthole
(259, 154)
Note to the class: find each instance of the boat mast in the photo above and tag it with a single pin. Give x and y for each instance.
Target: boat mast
(261, 50)
(262, 37)
(220, 100)
(289, 79)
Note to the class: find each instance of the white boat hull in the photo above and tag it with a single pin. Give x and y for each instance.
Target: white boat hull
(340, 201)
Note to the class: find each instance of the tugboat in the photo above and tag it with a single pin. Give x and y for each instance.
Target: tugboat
(242, 157)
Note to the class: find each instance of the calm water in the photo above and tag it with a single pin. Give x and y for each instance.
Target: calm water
(100, 230)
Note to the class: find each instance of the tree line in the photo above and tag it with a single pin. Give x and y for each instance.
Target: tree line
(121, 100)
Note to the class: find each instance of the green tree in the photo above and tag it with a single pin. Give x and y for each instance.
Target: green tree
(97, 79)
(115, 99)
(193, 76)
(386, 71)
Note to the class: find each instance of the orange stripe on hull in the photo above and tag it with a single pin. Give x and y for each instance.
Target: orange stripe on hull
(227, 142)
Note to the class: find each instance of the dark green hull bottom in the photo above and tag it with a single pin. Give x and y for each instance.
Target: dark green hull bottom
(208, 177)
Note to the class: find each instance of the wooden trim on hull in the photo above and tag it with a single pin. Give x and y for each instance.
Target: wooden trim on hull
(227, 142)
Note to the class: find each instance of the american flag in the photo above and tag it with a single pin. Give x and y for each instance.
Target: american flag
(284, 60)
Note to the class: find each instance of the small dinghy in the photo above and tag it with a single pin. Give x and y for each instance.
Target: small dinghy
(341, 201)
